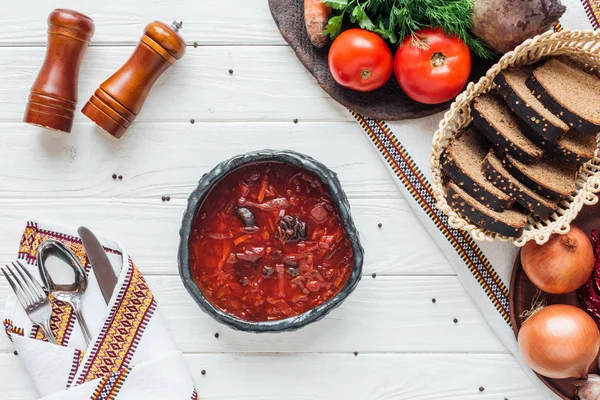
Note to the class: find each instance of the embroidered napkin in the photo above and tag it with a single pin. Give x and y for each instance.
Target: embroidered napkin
(484, 269)
(131, 355)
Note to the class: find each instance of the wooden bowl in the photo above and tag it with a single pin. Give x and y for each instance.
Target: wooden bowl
(387, 103)
(523, 292)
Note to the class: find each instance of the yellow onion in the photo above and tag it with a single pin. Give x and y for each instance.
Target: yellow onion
(559, 341)
(561, 265)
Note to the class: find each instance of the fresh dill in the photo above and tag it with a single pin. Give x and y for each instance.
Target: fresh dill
(394, 20)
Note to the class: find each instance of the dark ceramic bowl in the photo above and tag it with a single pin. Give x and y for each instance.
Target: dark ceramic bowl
(340, 200)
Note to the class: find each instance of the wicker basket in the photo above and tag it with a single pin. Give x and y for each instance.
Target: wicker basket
(584, 46)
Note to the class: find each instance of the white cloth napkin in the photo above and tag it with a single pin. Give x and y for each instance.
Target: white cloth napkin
(484, 269)
(131, 355)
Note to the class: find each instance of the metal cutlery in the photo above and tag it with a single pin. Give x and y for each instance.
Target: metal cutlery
(105, 275)
(69, 293)
(31, 295)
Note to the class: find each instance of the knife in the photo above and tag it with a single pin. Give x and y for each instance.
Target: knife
(105, 275)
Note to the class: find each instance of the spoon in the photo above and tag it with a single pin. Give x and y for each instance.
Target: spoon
(69, 293)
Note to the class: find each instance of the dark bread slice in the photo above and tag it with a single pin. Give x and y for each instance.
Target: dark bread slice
(574, 147)
(498, 175)
(512, 84)
(493, 117)
(508, 223)
(569, 92)
(550, 178)
(462, 163)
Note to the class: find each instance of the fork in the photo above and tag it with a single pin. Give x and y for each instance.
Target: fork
(31, 295)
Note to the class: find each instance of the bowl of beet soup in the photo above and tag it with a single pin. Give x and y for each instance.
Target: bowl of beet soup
(268, 243)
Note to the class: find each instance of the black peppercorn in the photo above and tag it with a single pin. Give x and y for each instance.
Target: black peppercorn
(195, 44)
(216, 335)
(295, 120)
(168, 198)
(230, 71)
(374, 275)
(356, 353)
(163, 198)
(379, 225)
(192, 121)
(481, 388)
(120, 177)
(15, 353)
(433, 300)
(455, 320)
(203, 372)
(114, 176)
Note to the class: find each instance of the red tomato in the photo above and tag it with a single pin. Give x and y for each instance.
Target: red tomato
(434, 74)
(360, 60)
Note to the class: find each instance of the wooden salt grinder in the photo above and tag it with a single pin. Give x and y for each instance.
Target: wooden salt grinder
(53, 96)
(118, 100)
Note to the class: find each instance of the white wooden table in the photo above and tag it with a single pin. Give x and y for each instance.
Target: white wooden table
(387, 341)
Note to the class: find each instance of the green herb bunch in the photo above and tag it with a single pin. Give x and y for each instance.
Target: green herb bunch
(394, 20)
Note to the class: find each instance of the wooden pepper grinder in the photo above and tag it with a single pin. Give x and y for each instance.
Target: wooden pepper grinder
(118, 100)
(53, 96)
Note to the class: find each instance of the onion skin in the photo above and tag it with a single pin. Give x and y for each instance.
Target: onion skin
(561, 265)
(560, 341)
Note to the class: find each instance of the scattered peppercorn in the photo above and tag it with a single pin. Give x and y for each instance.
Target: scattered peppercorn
(114, 176)
(295, 120)
(192, 121)
(163, 198)
(168, 198)
(203, 372)
(455, 320)
(216, 335)
(15, 353)
(379, 225)
(433, 300)
(120, 177)
(195, 44)
(230, 72)
(356, 353)
(374, 275)
(481, 388)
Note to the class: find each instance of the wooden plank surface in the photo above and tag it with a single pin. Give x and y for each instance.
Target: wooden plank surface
(409, 348)
(209, 22)
(157, 159)
(263, 87)
(325, 376)
(385, 314)
(155, 250)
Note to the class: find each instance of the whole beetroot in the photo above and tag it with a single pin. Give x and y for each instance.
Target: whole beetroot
(504, 24)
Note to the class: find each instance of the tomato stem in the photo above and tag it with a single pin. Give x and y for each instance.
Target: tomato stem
(365, 73)
(438, 59)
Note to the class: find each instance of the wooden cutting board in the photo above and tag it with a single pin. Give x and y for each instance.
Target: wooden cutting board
(522, 293)
(387, 103)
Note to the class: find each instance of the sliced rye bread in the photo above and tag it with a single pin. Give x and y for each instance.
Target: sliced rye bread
(493, 117)
(569, 92)
(508, 223)
(511, 83)
(498, 175)
(573, 147)
(550, 178)
(462, 163)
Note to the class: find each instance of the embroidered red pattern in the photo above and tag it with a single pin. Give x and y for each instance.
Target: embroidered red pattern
(9, 328)
(123, 329)
(109, 386)
(77, 358)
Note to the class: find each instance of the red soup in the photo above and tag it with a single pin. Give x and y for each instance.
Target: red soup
(268, 243)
